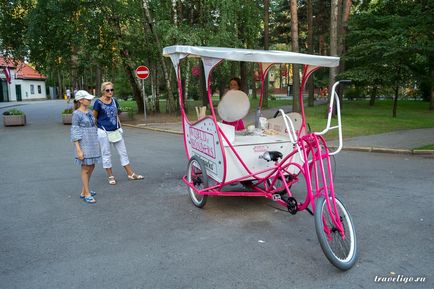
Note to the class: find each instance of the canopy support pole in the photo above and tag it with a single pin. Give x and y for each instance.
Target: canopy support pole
(308, 70)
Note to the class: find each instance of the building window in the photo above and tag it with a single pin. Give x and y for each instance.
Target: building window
(39, 89)
(32, 89)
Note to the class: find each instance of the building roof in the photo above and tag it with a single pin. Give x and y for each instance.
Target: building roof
(6, 63)
(23, 70)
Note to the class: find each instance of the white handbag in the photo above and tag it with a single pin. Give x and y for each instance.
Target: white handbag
(114, 136)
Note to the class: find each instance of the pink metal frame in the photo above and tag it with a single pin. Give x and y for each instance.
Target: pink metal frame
(316, 167)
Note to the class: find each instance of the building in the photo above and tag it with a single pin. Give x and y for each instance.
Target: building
(20, 82)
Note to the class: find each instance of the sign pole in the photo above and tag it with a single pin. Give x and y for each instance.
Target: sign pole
(144, 98)
(142, 72)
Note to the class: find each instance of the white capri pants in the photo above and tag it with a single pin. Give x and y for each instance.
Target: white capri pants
(105, 150)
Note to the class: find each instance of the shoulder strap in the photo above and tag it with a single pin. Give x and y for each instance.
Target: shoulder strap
(116, 103)
(118, 123)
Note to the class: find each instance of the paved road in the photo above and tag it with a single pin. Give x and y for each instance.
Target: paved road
(147, 234)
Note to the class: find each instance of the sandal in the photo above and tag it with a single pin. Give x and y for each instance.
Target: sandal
(111, 180)
(89, 200)
(92, 193)
(135, 177)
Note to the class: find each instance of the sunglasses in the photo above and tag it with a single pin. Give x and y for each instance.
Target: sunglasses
(109, 90)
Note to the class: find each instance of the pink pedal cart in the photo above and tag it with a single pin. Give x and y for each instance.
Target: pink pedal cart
(271, 158)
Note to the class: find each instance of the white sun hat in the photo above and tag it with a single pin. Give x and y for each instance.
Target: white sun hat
(83, 94)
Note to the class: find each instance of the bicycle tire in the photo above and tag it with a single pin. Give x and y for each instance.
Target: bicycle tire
(199, 180)
(342, 253)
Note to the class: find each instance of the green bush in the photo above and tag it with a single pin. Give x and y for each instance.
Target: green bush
(13, 111)
(352, 93)
(130, 110)
(68, 111)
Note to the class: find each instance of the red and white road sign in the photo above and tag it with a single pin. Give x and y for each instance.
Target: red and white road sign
(142, 72)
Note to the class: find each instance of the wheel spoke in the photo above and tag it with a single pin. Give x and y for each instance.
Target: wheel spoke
(339, 246)
(196, 175)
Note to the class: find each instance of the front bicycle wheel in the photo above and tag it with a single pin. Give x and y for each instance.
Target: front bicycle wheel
(196, 175)
(341, 251)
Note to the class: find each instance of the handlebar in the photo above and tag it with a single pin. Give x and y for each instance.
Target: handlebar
(276, 114)
(334, 96)
(345, 81)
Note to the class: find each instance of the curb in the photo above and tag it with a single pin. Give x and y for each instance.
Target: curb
(387, 150)
(423, 152)
(12, 105)
(355, 148)
(392, 151)
(154, 129)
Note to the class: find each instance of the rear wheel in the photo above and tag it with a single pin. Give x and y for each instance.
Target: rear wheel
(341, 252)
(196, 176)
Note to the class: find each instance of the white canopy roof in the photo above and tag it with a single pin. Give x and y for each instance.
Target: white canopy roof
(251, 55)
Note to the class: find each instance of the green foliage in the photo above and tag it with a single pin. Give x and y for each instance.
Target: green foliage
(354, 93)
(76, 42)
(358, 118)
(13, 111)
(127, 105)
(426, 147)
(390, 44)
(68, 110)
(13, 27)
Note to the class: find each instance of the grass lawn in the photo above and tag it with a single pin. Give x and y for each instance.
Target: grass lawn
(427, 147)
(358, 118)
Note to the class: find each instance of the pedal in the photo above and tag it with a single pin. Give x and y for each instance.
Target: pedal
(292, 205)
(276, 197)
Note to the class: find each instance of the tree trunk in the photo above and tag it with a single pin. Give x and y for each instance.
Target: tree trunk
(137, 93)
(152, 67)
(132, 79)
(171, 105)
(395, 101)
(333, 44)
(174, 11)
(253, 81)
(343, 27)
(321, 45)
(75, 82)
(296, 70)
(310, 84)
(98, 79)
(373, 95)
(222, 87)
(61, 91)
(126, 62)
(431, 107)
(157, 91)
(280, 77)
(243, 76)
(266, 46)
(203, 85)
